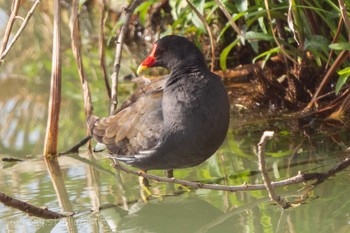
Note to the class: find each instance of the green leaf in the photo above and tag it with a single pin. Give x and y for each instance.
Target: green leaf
(343, 77)
(316, 42)
(225, 52)
(257, 36)
(143, 10)
(340, 46)
(267, 53)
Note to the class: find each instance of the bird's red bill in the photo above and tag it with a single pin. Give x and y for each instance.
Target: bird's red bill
(149, 61)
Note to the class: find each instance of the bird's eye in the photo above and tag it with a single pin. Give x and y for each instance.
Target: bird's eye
(160, 51)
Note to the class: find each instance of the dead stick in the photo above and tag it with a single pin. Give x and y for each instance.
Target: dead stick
(28, 208)
(262, 167)
(118, 55)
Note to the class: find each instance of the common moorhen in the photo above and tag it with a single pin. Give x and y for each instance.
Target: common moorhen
(174, 122)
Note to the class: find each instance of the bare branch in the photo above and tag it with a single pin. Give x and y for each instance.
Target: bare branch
(118, 54)
(14, 11)
(262, 167)
(197, 185)
(24, 24)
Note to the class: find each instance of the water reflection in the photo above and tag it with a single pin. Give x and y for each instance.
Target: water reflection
(21, 114)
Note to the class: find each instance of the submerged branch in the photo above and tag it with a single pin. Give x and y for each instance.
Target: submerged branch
(197, 185)
(299, 178)
(28, 208)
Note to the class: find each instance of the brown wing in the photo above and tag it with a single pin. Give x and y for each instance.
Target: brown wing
(136, 125)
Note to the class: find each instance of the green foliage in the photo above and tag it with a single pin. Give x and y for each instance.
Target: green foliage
(310, 30)
(343, 76)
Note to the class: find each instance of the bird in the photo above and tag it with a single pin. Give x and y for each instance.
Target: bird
(171, 122)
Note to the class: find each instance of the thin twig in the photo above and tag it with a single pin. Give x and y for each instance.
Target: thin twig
(211, 38)
(24, 24)
(118, 55)
(262, 167)
(338, 61)
(28, 208)
(274, 34)
(14, 11)
(335, 38)
(229, 18)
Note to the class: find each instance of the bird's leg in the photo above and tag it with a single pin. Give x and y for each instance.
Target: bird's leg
(142, 180)
(170, 187)
(144, 187)
(170, 173)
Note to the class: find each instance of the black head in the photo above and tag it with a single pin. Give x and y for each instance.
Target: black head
(172, 52)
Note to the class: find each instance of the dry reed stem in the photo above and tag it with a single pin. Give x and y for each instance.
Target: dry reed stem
(50, 147)
(101, 46)
(76, 47)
